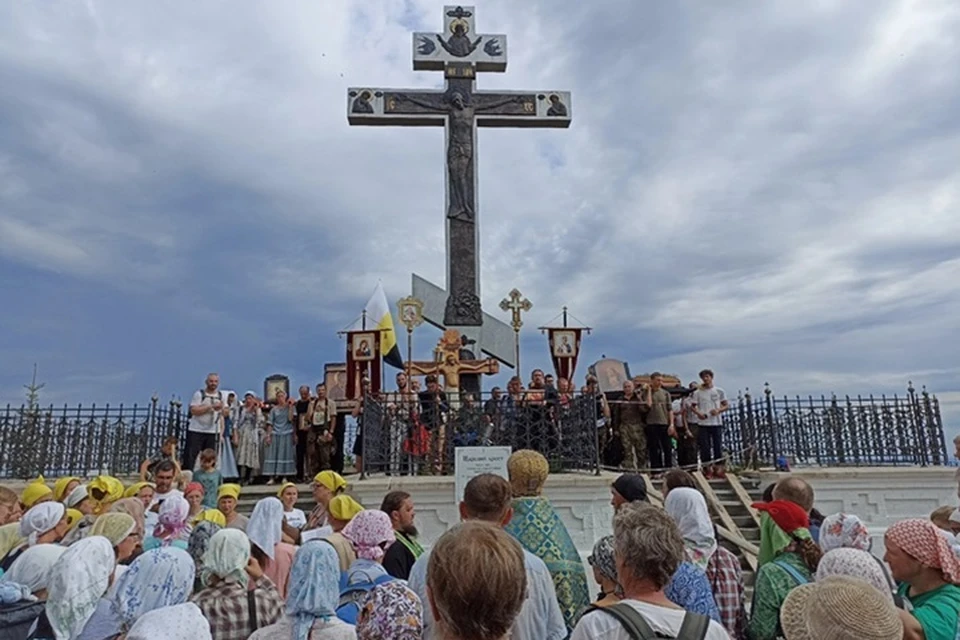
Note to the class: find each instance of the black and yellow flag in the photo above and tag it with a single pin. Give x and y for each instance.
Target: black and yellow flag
(379, 317)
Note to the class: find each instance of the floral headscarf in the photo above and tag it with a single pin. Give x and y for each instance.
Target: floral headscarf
(181, 622)
(921, 540)
(855, 563)
(172, 519)
(40, 519)
(265, 527)
(200, 540)
(371, 534)
(391, 610)
(77, 582)
(115, 527)
(843, 531)
(314, 587)
(32, 568)
(689, 510)
(157, 578)
(227, 557)
(602, 558)
(133, 507)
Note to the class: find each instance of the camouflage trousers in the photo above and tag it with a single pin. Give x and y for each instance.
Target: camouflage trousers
(319, 452)
(634, 443)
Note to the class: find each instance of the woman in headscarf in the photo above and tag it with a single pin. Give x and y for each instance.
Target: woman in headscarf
(249, 433)
(371, 533)
(326, 485)
(340, 512)
(143, 491)
(313, 599)
(265, 531)
(845, 531)
(121, 530)
(629, 487)
(158, 578)
(63, 486)
(788, 559)
(32, 570)
(172, 529)
(227, 568)
(688, 509)
(227, 497)
(180, 622)
(928, 571)
(537, 527)
(193, 494)
(77, 582)
(199, 543)
(210, 515)
(134, 508)
(36, 492)
(46, 523)
(391, 610)
(105, 490)
(605, 572)
(279, 455)
(289, 495)
(855, 563)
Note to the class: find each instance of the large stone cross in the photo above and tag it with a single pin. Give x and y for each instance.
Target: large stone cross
(460, 53)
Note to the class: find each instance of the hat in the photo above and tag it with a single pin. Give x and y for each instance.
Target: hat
(284, 487)
(632, 487)
(60, 487)
(528, 471)
(787, 515)
(839, 608)
(193, 486)
(34, 492)
(136, 488)
(250, 393)
(331, 480)
(211, 515)
(344, 507)
(78, 495)
(229, 491)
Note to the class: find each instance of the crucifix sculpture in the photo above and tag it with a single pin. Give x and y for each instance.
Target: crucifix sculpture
(447, 363)
(516, 304)
(460, 53)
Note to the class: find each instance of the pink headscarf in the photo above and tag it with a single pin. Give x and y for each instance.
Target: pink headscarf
(921, 540)
(173, 519)
(371, 534)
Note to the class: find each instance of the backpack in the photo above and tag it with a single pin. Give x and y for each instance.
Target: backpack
(353, 592)
(694, 626)
(796, 575)
(18, 620)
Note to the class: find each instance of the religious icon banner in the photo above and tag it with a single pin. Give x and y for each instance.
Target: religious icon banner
(564, 350)
(363, 362)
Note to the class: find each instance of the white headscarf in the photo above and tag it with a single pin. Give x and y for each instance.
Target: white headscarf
(78, 495)
(32, 568)
(40, 519)
(265, 528)
(182, 622)
(689, 510)
(157, 579)
(227, 556)
(77, 582)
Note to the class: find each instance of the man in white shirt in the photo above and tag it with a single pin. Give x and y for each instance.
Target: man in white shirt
(487, 498)
(648, 549)
(709, 403)
(207, 407)
(163, 475)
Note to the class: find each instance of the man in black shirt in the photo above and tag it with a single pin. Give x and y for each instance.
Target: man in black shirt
(433, 410)
(302, 426)
(402, 554)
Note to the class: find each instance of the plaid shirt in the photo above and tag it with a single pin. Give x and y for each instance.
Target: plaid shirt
(226, 607)
(726, 578)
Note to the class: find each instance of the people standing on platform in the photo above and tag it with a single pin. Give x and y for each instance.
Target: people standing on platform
(401, 422)
(537, 429)
(434, 407)
(250, 432)
(279, 453)
(321, 440)
(227, 462)
(206, 407)
(401, 555)
(628, 424)
(302, 422)
(658, 425)
(710, 402)
(686, 439)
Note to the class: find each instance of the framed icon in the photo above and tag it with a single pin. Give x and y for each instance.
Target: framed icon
(335, 379)
(273, 384)
(565, 344)
(411, 312)
(363, 346)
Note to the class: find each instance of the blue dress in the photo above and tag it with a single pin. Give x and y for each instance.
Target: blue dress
(690, 590)
(278, 456)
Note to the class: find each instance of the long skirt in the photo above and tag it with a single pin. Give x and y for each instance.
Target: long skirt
(279, 458)
(248, 447)
(228, 463)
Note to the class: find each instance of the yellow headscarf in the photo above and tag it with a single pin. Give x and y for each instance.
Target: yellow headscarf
(35, 491)
(211, 515)
(136, 487)
(73, 519)
(284, 487)
(331, 480)
(229, 491)
(60, 487)
(343, 507)
(111, 488)
(10, 538)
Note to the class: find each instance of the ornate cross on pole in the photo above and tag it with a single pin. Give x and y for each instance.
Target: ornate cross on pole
(516, 303)
(460, 53)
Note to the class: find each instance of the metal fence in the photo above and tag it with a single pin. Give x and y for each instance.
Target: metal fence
(836, 431)
(85, 441)
(418, 436)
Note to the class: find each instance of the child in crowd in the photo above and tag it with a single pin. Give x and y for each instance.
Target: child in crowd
(209, 478)
(168, 451)
(289, 495)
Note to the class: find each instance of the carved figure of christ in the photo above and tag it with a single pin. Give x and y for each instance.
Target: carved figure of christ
(451, 368)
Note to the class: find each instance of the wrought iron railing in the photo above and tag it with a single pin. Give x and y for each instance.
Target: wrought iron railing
(836, 431)
(418, 437)
(85, 440)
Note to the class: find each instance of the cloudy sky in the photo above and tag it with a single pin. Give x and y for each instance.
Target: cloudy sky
(769, 189)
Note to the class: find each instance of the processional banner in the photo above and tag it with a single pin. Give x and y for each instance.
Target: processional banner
(363, 362)
(564, 350)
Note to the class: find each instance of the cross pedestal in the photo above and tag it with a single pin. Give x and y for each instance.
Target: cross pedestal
(460, 53)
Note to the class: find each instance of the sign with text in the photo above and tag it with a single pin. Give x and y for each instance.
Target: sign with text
(474, 461)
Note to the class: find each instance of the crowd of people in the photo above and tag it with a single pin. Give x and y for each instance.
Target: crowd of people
(98, 560)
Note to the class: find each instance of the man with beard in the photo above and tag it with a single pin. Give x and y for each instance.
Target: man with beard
(403, 553)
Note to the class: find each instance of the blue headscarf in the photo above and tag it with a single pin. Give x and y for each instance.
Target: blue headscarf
(314, 586)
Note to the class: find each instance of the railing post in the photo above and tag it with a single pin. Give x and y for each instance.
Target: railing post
(774, 448)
